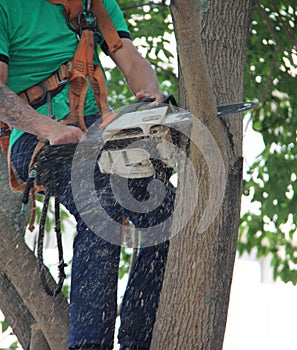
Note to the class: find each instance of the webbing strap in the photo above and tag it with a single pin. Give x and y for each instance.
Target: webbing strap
(74, 7)
(106, 26)
(83, 61)
(36, 95)
(83, 66)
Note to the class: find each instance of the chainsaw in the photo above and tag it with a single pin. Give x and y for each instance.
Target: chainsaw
(139, 136)
(138, 140)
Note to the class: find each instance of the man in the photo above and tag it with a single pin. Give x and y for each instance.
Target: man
(35, 41)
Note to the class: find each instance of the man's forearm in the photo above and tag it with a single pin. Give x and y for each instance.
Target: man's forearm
(18, 114)
(142, 77)
(137, 71)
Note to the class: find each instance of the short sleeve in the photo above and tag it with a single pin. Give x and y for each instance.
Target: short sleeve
(116, 15)
(4, 39)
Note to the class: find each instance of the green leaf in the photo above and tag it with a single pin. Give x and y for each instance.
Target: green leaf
(4, 325)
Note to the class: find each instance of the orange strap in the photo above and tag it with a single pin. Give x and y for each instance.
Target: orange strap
(19, 186)
(83, 61)
(4, 136)
(74, 7)
(37, 93)
(106, 26)
(4, 143)
(83, 66)
(15, 184)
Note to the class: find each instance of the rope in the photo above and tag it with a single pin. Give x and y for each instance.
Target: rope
(40, 243)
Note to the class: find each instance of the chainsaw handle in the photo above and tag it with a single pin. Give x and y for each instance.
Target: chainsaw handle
(167, 100)
(145, 99)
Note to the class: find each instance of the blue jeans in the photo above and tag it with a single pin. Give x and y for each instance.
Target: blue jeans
(93, 297)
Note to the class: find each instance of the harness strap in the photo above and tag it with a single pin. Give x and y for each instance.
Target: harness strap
(36, 95)
(18, 186)
(83, 61)
(74, 7)
(83, 66)
(106, 26)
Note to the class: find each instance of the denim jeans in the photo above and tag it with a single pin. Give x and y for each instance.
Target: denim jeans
(93, 296)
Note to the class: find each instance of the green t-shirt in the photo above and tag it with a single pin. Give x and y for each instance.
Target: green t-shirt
(35, 41)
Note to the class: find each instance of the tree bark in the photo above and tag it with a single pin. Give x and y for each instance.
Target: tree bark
(38, 340)
(24, 301)
(50, 313)
(11, 304)
(15, 311)
(194, 302)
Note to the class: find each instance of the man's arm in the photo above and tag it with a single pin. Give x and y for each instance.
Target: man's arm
(18, 114)
(138, 72)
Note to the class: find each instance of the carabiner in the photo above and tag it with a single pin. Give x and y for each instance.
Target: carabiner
(86, 20)
(89, 5)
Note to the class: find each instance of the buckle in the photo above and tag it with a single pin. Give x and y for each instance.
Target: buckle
(59, 81)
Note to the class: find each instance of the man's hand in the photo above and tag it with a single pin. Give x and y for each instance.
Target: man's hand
(61, 134)
(158, 97)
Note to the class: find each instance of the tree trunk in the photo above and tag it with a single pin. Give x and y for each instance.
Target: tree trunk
(25, 301)
(194, 303)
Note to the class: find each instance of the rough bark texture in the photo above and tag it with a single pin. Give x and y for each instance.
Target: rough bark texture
(24, 302)
(15, 311)
(11, 304)
(194, 302)
(38, 340)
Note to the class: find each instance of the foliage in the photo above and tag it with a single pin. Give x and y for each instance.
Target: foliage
(151, 28)
(271, 182)
(5, 331)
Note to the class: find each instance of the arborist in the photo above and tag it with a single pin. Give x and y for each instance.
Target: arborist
(52, 89)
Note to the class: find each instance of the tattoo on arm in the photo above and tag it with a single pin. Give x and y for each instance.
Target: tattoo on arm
(16, 112)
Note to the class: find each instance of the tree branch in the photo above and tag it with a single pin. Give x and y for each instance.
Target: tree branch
(285, 25)
(19, 265)
(50, 313)
(141, 4)
(268, 22)
(15, 311)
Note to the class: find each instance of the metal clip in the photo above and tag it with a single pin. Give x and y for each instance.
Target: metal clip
(59, 81)
(86, 20)
(50, 106)
(89, 4)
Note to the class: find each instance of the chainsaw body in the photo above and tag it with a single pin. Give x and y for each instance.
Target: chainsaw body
(136, 139)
